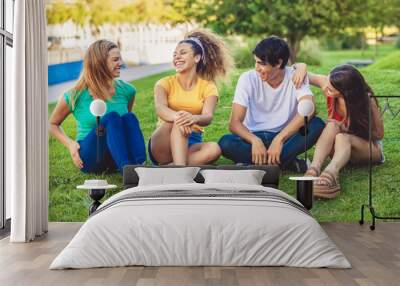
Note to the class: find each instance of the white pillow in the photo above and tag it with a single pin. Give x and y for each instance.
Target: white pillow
(249, 177)
(166, 176)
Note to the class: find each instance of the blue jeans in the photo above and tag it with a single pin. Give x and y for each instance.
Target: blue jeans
(236, 149)
(122, 144)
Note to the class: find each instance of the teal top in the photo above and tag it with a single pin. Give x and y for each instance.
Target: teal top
(124, 93)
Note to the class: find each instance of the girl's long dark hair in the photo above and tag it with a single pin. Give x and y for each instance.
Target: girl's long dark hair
(356, 93)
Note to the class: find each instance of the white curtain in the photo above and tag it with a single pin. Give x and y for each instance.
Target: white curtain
(26, 124)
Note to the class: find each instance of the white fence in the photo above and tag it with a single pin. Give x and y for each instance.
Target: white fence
(140, 43)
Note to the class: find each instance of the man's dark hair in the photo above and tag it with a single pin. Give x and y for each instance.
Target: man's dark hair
(271, 49)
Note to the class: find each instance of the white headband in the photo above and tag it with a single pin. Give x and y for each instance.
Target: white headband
(198, 42)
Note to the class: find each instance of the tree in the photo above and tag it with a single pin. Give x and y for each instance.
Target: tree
(382, 13)
(79, 13)
(58, 12)
(99, 12)
(291, 19)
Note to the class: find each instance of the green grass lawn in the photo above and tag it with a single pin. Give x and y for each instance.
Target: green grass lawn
(66, 203)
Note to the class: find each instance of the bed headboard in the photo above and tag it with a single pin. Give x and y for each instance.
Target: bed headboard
(270, 179)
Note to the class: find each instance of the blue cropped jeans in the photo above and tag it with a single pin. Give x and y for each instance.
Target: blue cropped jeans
(236, 149)
(122, 144)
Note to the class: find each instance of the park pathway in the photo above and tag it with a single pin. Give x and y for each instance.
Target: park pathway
(128, 74)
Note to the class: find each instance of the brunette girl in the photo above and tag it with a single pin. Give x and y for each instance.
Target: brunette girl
(346, 135)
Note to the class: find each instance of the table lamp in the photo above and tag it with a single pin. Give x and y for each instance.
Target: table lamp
(304, 185)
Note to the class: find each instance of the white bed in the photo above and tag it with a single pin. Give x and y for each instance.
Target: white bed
(201, 224)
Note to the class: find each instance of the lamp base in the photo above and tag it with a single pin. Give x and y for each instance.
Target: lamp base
(304, 193)
(96, 195)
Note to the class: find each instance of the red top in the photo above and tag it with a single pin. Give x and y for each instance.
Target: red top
(332, 113)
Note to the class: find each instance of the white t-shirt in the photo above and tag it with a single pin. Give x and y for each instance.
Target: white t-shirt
(268, 109)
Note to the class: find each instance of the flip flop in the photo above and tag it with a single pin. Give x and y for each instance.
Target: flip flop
(327, 186)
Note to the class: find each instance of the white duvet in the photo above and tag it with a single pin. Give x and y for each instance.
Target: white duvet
(247, 225)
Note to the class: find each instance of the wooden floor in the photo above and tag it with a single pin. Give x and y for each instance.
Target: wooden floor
(374, 255)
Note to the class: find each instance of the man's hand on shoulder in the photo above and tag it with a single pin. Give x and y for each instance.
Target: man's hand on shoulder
(299, 75)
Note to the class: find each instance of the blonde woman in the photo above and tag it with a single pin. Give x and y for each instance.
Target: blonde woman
(185, 102)
(123, 142)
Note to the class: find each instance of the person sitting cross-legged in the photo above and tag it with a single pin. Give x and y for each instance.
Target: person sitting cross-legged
(264, 119)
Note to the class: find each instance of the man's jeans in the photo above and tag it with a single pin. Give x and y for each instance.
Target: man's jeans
(236, 149)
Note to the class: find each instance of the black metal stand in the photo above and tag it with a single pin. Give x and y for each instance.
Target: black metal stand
(305, 137)
(304, 193)
(96, 195)
(304, 188)
(370, 206)
(99, 133)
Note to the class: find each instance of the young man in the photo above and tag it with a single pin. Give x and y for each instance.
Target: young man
(264, 120)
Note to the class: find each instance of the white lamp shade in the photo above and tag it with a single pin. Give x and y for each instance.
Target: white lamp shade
(305, 107)
(98, 107)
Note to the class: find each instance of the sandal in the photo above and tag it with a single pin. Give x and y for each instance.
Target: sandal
(327, 186)
(312, 172)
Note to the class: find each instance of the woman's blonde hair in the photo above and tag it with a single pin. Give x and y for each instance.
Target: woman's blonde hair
(216, 61)
(95, 75)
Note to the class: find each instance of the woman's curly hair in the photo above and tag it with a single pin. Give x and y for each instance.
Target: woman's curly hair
(217, 58)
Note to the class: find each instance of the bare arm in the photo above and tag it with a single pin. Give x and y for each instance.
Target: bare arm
(60, 112)
(161, 105)
(185, 118)
(295, 124)
(318, 80)
(236, 126)
(207, 112)
(314, 79)
(275, 149)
